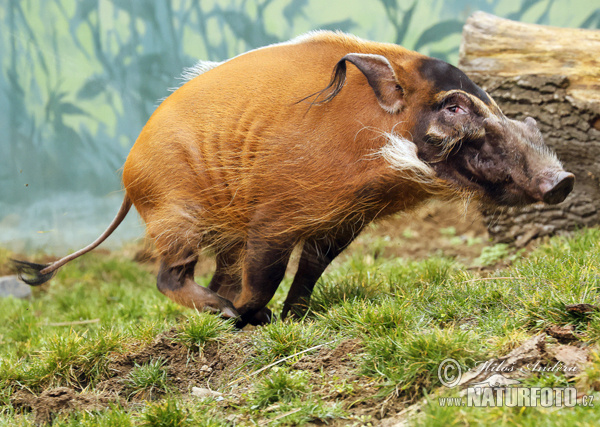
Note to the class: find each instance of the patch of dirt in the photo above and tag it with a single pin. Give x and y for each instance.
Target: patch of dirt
(212, 367)
(55, 401)
(563, 334)
(209, 367)
(357, 393)
(218, 366)
(334, 361)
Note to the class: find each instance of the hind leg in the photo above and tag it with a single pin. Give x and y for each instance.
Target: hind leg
(263, 270)
(176, 281)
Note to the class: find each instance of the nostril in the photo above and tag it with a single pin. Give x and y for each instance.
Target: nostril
(563, 185)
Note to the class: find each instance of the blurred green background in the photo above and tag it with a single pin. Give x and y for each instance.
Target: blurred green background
(79, 78)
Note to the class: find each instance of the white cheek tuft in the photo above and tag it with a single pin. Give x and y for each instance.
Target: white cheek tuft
(401, 154)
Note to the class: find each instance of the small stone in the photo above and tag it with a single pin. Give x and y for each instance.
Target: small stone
(562, 332)
(205, 368)
(11, 285)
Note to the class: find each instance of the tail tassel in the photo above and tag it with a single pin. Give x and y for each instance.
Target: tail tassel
(31, 273)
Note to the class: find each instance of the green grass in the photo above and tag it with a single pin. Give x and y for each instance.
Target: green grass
(286, 339)
(201, 328)
(145, 381)
(280, 386)
(406, 317)
(409, 362)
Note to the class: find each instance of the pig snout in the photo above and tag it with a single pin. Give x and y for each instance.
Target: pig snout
(556, 188)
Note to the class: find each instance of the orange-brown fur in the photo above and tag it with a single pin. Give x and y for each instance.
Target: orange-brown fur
(232, 148)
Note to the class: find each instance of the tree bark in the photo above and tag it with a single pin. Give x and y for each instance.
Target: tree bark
(553, 75)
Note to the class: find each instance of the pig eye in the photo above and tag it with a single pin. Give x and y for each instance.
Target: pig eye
(456, 109)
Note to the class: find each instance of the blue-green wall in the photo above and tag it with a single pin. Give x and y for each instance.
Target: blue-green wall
(79, 78)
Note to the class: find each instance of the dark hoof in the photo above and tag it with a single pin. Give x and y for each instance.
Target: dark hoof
(240, 324)
(260, 318)
(263, 317)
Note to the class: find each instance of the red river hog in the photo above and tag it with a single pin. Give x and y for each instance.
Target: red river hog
(305, 143)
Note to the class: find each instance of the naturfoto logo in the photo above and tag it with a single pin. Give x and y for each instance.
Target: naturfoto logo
(499, 390)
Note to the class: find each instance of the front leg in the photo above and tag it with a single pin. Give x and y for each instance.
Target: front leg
(317, 254)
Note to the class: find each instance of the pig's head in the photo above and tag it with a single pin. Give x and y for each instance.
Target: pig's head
(465, 138)
(459, 131)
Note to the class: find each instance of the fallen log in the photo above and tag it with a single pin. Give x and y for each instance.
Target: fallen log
(553, 75)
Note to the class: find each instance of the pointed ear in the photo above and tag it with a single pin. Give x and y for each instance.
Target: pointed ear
(382, 79)
(379, 73)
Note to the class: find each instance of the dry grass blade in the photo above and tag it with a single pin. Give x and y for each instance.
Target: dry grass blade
(277, 362)
(79, 322)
